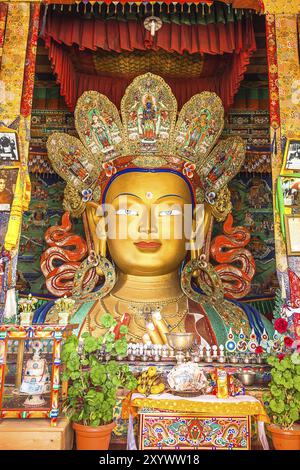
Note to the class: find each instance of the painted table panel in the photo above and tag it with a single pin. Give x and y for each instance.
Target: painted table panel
(191, 431)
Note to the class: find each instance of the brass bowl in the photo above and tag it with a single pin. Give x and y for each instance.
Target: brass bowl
(180, 341)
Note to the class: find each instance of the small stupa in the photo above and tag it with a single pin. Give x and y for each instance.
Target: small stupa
(36, 380)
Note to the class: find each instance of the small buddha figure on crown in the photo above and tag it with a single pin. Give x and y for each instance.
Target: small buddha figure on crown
(148, 213)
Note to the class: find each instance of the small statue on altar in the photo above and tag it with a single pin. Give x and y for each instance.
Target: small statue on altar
(36, 380)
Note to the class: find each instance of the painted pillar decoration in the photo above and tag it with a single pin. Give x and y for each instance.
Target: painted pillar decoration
(284, 83)
(18, 41)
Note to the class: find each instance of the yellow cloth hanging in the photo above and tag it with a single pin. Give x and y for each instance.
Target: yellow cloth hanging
(216, 408)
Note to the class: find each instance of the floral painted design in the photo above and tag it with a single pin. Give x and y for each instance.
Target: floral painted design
(109, 169)
(87, 195)
(188, 169)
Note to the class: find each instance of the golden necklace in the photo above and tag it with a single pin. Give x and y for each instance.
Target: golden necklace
(138, 318)
(149, 304)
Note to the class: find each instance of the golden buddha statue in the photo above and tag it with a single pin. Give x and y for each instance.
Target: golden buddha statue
(148, 202)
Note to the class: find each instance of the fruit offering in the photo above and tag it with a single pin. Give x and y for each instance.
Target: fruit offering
(150, 382)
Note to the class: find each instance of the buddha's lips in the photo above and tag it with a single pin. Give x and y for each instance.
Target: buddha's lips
(151, 245)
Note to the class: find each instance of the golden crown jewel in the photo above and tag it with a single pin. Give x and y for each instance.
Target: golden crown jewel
(148, 137)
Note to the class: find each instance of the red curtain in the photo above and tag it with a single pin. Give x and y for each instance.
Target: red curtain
(232, 44)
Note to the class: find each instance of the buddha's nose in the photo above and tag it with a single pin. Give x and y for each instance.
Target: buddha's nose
(148, 223)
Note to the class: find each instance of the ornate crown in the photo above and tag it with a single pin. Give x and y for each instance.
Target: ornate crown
(148, 137)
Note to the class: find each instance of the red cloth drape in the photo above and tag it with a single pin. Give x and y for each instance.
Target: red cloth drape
(233, 43)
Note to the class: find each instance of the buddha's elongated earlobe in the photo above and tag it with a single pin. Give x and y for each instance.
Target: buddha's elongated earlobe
(95, 228)
(201, 228)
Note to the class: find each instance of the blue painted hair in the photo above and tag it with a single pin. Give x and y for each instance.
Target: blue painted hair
(150, 170)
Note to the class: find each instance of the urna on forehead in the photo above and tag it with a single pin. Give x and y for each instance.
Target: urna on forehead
(149, 185)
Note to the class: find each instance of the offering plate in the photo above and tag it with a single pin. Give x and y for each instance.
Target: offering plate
(186, 393)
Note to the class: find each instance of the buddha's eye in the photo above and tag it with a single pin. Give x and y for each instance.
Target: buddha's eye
(169, 212)
(126, 212)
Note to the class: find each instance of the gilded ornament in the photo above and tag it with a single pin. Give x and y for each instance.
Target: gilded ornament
(73, 203)
(222, 205)
(199, 268)
(146, 138)
(148, 111)
(84, 293)
(199, 126)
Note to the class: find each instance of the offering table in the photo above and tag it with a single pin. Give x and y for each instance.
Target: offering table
(204, 422)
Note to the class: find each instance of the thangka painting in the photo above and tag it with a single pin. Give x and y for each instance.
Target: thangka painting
(45, 210)
(8, 147)
(8, 178)
(251, 197)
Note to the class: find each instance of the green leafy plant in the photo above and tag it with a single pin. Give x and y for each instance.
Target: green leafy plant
(92, 384)
(283, 399)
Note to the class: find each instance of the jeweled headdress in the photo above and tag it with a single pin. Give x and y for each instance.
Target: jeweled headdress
(148, 136)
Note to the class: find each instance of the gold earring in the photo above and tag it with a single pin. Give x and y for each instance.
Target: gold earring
(215, 291)
(93, 261)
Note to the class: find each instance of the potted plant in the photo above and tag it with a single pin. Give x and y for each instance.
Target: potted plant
(283, 401)
(93, 384)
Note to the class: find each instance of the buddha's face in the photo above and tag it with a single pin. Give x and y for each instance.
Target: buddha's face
(149, 209)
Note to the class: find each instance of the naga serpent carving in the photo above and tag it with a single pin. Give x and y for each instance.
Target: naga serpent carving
(230, 248)
(60, 261)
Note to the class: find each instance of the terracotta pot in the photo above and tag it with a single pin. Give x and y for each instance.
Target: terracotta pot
(93, 437)
(283, 439)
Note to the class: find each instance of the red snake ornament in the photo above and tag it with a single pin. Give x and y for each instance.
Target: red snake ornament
(60, 261)
(227, 249)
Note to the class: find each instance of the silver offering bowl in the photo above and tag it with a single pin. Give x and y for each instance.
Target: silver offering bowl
(180, 342)
(247, 377)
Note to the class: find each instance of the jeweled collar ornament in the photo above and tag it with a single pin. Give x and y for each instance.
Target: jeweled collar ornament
(148, 137)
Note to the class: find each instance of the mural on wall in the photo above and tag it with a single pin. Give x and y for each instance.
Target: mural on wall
(45, 210)
(251, 196)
